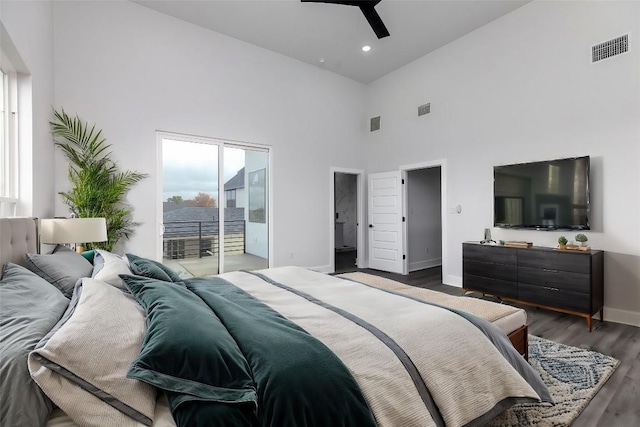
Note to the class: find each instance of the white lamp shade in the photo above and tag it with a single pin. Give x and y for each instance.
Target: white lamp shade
(73, 230)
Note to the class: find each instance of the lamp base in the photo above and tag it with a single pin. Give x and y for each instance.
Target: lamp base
(79, 249)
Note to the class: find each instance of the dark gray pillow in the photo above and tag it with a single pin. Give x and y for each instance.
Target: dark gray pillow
(30, 308)
(62, 268)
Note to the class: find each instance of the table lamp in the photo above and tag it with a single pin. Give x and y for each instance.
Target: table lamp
(75, 231)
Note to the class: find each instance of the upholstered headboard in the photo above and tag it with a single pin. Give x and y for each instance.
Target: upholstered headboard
(18, 236)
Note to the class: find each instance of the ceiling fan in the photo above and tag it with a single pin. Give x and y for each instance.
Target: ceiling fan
(368, 10)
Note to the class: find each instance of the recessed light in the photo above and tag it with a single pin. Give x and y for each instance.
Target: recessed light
(366, 48)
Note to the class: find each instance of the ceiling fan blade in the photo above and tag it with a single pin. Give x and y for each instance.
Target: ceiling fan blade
(374, 20)
(347, 2)
(368, 10)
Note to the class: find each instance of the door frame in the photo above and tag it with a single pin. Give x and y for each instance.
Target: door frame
(221, 143)
(442, 163)
(360, 261)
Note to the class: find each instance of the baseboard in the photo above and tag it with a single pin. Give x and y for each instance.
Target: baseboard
(428, 263)
(452, 280)
(620, 316)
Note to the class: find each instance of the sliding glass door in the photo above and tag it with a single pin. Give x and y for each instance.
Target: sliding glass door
(214, 205)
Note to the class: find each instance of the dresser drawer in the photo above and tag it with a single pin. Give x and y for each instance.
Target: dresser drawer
(487, 253)
(487, 285)
(554, 297)
(493, 271)
(555, 260)
(564, 280)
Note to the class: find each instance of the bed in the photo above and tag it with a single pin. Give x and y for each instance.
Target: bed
(132, 344)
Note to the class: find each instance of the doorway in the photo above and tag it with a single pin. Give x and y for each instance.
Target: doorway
(388, 201)
(345, 225)
(346, 211)
(424, 218)
(214, 205)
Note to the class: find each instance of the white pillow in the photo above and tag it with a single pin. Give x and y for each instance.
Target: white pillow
(83, 366)
(107, 267)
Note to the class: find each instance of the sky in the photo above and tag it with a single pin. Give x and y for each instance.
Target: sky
(190, 168)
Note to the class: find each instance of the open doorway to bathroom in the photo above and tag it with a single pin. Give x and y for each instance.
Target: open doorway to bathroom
(345, 217)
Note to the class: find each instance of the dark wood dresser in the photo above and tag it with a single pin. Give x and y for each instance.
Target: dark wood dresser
(567, 281)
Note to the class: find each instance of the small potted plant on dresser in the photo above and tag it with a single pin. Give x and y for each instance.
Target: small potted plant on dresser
(562, 242)
(583, 242)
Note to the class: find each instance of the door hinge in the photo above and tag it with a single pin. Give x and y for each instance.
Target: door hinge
(403, 219)
(403, 180)
(404, 256)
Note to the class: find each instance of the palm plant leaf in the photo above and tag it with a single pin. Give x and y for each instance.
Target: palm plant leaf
(98, 184)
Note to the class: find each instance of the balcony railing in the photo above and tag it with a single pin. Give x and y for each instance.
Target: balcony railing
(197, 239)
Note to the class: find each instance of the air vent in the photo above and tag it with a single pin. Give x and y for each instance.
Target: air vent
(610, 48)
(424, 109)
(375, 123)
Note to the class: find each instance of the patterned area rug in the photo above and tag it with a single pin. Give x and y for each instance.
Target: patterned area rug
(573, 376)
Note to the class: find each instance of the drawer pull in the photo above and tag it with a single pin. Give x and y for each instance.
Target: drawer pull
(549, 270)
(549, 288)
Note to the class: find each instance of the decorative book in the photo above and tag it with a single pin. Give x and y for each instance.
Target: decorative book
(518, 244)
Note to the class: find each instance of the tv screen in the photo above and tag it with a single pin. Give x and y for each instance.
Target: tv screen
(547, 195)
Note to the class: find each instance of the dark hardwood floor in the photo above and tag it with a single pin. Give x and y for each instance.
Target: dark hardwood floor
(346, 261)
(617, 404)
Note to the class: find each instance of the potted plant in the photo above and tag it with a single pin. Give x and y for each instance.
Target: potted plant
(562, 242)
(98, 185)
(582, 239)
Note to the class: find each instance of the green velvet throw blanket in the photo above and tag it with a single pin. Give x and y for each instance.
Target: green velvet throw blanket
(224, 358)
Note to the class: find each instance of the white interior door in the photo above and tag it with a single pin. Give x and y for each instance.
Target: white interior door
(385, 222)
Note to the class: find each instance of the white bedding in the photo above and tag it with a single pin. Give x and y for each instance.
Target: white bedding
(459, 405)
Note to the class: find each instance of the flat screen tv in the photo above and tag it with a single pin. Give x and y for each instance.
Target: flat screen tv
(547, 195)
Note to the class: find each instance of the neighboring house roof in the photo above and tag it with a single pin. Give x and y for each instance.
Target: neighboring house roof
(188, 220)
(236, 182)
(172, 206)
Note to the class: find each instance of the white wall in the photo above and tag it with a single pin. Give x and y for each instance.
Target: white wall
(30, 26)
(133, 71)
(520, 89)
(424, 218)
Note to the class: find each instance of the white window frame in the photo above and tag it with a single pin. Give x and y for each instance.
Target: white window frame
(221, 143)
(9, 161)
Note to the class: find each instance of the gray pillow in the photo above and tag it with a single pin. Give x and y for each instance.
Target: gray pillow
(62, 268)
(30, 308)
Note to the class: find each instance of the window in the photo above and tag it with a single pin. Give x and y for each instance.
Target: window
(223, 236)
(8, 145)
(231, 198)
(257, 196)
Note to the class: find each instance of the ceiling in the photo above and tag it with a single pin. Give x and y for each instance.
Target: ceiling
(336, 33)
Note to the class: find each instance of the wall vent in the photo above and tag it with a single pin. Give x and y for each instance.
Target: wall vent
(375, 123)
(424, 109)
(610, 48)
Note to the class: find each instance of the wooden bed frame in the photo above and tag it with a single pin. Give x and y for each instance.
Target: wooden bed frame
(520, 340)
